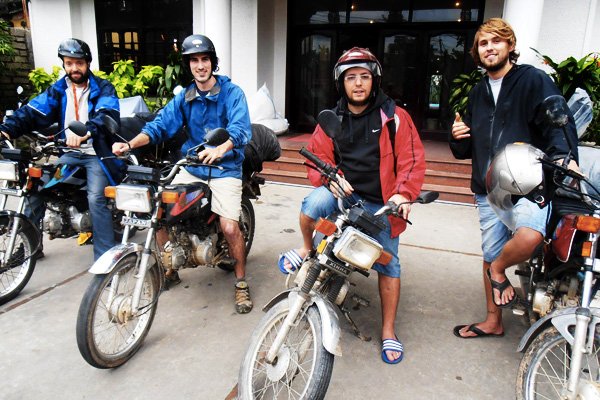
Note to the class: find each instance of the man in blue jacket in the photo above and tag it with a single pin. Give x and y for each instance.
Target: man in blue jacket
(210, 102)
(81, 96)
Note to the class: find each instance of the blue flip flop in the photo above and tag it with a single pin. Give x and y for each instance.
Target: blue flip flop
(293, 258)
(392, 345)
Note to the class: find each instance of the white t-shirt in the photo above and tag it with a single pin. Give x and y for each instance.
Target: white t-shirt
(496, 84)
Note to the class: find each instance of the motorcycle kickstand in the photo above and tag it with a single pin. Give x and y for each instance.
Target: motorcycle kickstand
(346, 313)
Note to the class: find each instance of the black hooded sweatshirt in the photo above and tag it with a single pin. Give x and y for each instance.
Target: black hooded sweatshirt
(359, 146)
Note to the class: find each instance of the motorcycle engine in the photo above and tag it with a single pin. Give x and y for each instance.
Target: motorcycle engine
(81, 222)
(188, 250)
(556, 295)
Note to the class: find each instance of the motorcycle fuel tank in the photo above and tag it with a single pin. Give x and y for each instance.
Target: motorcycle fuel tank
(193, 201)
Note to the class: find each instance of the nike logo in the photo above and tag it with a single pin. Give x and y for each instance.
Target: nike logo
(376, 130)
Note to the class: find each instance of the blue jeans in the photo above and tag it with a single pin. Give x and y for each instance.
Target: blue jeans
(320, 203)
(495, 234)
(96, 182)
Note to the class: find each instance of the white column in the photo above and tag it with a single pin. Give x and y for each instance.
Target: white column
(525, 17)
(216, 18)
(244, 45)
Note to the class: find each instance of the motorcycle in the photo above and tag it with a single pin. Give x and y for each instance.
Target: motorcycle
(291, 351)
(20, 238)
(561, 349)
(119, 305)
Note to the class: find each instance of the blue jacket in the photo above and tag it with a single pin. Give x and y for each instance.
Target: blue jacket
(49, 108)
(223, 107)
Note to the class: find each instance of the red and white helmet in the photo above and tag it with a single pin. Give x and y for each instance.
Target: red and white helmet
(356, 57)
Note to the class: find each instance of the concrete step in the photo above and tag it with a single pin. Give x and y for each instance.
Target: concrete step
(461, 166)
(458, 179)
(286, 164)
(451, 193)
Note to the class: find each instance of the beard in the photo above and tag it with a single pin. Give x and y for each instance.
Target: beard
(82, 78)
(498, 66)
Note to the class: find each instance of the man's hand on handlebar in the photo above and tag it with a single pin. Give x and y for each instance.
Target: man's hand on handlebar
(75, 141)
(572, 166)
(120, 148)
(404, 209)
(345, 187)
(211, 154)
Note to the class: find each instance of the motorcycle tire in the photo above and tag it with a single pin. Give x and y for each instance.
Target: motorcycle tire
(303, 367)
(247, 224)
(14, 278)
(544, 369)
(107, 336)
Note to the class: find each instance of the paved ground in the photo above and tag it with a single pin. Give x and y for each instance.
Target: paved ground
(195, 345)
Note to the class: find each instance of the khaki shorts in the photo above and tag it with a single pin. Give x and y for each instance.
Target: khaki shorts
(226, 193)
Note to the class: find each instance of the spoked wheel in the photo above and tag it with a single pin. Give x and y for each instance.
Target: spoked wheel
(108, 334)
(544, 369)
(247, 225)
(16, 272)
(302, 368)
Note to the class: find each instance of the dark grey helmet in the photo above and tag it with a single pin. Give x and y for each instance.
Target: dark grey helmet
(75, 48)
(200, 44)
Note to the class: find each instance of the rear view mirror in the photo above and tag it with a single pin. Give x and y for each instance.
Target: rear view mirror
(427, 197)
(330, 123)
(111, 124)
(78, 128)
(555, 111)
(216, 137)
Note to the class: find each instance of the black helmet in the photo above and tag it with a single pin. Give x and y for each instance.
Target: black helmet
(200, 44)
(74, 48)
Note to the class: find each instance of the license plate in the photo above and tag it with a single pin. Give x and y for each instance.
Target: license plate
(11, 192)
(140, 223)
(339, 268)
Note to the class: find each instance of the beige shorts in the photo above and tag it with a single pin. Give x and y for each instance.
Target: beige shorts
(226, 193)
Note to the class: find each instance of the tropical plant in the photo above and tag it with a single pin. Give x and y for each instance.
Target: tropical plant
(459, 91)
(41, 80)
(7, 51)
(584, 73)
(176, 73)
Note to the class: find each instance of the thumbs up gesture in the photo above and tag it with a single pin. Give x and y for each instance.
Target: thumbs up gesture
(459, 129)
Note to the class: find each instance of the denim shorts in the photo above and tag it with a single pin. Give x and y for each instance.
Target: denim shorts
(320, 203)
(494, 232)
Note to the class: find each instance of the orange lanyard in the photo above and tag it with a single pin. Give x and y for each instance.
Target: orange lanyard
(76, 101)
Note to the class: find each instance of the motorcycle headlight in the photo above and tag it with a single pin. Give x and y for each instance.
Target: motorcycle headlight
(356, 248)
(9, 170)
(135, 198)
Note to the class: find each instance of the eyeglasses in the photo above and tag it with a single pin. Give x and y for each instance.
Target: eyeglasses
(362, 77)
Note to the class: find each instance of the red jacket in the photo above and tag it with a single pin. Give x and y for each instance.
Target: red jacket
(405, 177)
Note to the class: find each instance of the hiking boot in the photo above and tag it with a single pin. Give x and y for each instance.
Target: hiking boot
(243, 302)
(172, 279)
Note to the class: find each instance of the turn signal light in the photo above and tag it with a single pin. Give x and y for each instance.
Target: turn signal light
(587, 224)
(170, 197)
(384, 258)
(586, 249)
(326, 227)
(110, 191)
(34, 172)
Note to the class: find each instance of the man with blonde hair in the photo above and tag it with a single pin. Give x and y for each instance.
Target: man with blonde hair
(503, 109)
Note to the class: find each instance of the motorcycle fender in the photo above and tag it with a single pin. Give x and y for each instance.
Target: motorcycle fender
(561, 319)
(25, 224)
(108, 260)
(331, 331)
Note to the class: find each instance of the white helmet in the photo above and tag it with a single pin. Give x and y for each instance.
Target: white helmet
(516, 171)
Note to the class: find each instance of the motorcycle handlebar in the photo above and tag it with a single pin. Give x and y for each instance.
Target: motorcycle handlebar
(314, 159)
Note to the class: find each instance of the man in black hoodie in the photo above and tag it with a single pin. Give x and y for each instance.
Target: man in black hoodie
(502, 109)
(382, 159)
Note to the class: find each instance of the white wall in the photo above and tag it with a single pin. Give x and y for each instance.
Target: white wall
(244, 44)
(564, 28)
(55, 20)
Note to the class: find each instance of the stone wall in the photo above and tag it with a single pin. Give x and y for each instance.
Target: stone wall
(19, 67)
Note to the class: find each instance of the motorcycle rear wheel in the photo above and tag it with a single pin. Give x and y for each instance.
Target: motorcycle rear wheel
(107, 334)
(14, 279)
(303, 366)
(545, 366)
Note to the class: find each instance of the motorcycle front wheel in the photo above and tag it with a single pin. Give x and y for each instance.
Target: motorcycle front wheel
(544, 369)
(108, 334)
(16, 273)
(302, 368)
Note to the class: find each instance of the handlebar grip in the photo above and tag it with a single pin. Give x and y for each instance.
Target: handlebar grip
(314, 159)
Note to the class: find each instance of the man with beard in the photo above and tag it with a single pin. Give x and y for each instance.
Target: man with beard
(503, 108)
(78, 96)
(382, 160)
